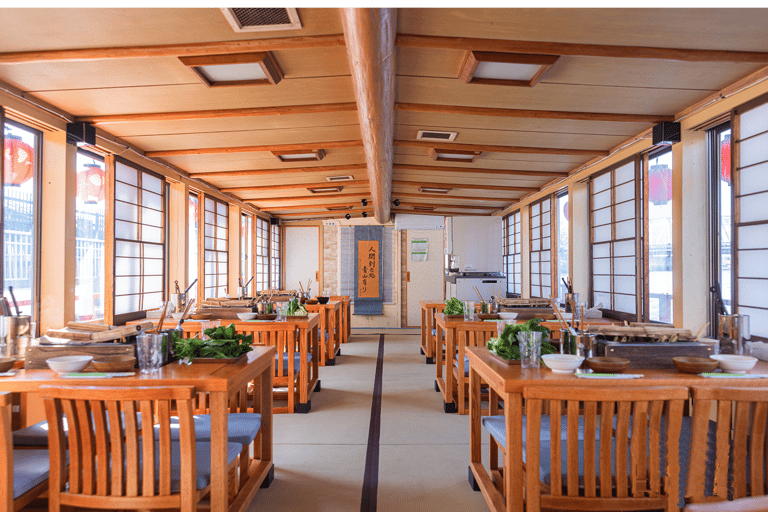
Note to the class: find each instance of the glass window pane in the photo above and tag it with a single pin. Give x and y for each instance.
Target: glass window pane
(89, 237)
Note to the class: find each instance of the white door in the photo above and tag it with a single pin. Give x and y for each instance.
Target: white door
(426, 276)
(302, 257)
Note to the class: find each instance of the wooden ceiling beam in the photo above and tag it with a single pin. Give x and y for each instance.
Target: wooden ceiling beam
(420, 195)
(370, 38)
(361, 194)
(480, 170)
(463, 214)
(500, 149)
(262, 172)
(220, 113)
(324, 184)
(460, 185)
(533, 114)
(174, 50)
(256, 149)
(578, 49)
(325, 214)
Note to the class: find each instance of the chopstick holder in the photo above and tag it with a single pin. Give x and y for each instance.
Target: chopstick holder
(609, 375)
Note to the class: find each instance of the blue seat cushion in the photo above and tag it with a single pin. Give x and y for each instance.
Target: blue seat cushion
(296, 362)
(30, 469)
(37, 434)
(466, 367)
(242, 427)
(495, 426)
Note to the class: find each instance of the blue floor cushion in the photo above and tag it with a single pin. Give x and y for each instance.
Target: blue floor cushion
(30, 468)
(296, 362)
(242, 427)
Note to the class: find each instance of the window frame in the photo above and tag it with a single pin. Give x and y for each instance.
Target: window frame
(513, 237)
(715, 231)
(645, 238)
(556, 253)
(122, 318)
(216, 214)
(552, 259)
(246, 253)
(275, 255)
(37, 212)
(640, 248)
(262, 273)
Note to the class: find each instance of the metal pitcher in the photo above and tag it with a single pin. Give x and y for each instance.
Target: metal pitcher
(585, 345)
(733, 331)
(179, 302)
(15, 333)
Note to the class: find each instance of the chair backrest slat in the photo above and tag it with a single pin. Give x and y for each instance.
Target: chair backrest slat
(164, 448)
(723, 440)
(653, 476)
(147, 453)
(590, 435)
(623, 418)
(757, 448)
(740, 439)
(75, 459)
(606, 425)
(87, 446)
(572, 471)
(131, 449)
(117, 449)
(555, 417)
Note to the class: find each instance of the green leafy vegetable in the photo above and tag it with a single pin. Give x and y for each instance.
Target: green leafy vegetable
(453, 306)
(224, 343)
(296, 309)
(507, 345)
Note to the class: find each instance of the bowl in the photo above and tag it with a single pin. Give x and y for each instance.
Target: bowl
(607, 364)
(200, 316)
(732, 363)
(507, 316)
(114, 363)
(246, 316)
(311, 302)
(67, 364)
(694, 364)
(6, 363)
(323, 300)
(562, 363)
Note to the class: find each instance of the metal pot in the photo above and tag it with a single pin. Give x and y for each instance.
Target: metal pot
(179, 302)
(265, 308)
(242, 291)
(15, 333)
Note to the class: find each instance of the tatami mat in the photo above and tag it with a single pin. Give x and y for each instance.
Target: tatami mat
(424, 453)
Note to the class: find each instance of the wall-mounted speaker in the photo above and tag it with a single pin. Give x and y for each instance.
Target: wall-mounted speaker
(81, 134)
(274, 221)
(666, 133)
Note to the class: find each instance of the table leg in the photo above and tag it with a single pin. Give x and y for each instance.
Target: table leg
(514, 482)
(450, 381)
(423, 331)
(303, 370)
(430, 339)
(219, 486)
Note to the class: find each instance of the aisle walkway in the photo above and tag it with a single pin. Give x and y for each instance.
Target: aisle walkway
(320, 457)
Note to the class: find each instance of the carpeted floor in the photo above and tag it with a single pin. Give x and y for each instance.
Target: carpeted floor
(423, 453)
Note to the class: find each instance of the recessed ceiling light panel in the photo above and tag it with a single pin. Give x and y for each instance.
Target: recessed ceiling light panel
(323, 190)
(300, 155)
(436, 135)
(453, 155)
(259, 68)
(339, 178)
(434, 190)
(512, 69)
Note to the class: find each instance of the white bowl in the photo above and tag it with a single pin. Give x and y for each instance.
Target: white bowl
(507, 316)
(246, 316)
(68, 364)
(732, 363)
(562, 363)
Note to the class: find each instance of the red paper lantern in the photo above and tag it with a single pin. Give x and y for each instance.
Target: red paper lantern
(90, 184)
(19, 161)
(725, 159)
(659, 184)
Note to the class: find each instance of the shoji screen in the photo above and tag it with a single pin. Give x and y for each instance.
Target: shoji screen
(613, 222)
(750, 214)
(541, 248)
(139, 240)
(216, 256)
(513, 253)
(262, 255)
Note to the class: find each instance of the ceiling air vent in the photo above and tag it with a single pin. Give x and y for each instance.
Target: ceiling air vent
(337, 208)
(339, 178)
(262, 20)
(433, 135)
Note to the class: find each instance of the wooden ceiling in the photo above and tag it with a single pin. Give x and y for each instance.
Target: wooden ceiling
(619, 72)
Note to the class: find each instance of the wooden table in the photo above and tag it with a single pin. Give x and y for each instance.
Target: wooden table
(267, 333)
(329, 323)
(508, 382)
(221, 381)
(428, 310)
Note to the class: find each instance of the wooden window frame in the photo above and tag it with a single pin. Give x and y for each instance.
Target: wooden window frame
(513, 236)
(275, 256)
(713, 142)
(641, 249)
(552, 259)
(736, 223)
(244, 250)
(122, 318)
(261, 260)
(225, 251)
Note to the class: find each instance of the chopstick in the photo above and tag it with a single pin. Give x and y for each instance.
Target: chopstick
(301, 286)
(478, 293)
(162, 318)
(560, 317)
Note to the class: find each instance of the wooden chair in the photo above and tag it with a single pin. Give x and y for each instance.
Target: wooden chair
(595, 471)
(23, 473)
(734, 445)
(469, 335)
(345, 327)
(113, 466)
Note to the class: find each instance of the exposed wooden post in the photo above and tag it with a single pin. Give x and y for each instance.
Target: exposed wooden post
(370, 36)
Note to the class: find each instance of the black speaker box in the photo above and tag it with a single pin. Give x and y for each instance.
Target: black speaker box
(274, 221)
(666, 133)
(81, 134)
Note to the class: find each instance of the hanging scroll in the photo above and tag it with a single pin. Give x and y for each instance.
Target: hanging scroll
(368, 268)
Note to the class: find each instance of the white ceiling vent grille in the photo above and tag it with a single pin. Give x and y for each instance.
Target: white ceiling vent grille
(434, 135)
(339, 178)
(262, 20)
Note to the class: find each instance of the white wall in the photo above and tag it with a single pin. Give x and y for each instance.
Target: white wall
(477, 241)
